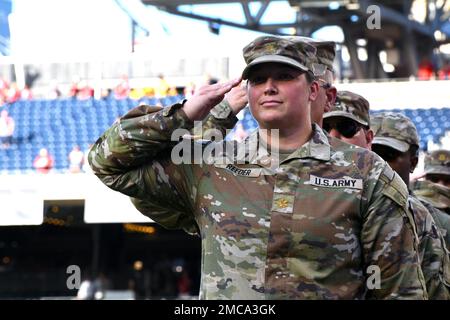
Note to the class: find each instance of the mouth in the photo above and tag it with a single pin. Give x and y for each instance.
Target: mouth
(271, 103)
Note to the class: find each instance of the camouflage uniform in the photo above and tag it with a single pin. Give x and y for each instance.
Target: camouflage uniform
(397, 131)
(220, 118)
(437, 163)
(325, 53)
(434, 195)
(311, 228)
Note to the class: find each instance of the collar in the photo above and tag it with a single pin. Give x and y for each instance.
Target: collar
(317, 147)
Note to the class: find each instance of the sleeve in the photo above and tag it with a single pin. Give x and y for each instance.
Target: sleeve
(432, 251)
(389, 241)
(220, 118)
(134, 158)
(442, 221)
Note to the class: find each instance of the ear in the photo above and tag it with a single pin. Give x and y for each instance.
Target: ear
(331, 98)
(369, 138)
(413, 160)
(314, 90)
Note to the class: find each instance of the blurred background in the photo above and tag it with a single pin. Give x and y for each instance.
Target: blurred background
(69, 69)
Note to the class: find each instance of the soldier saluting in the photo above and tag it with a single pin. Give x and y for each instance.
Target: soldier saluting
(274, 233)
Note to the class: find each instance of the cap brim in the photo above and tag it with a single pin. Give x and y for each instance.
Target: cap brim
(273, 58)
(346, 115)
(392, 143)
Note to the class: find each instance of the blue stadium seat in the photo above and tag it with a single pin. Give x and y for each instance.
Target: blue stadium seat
(60, 124)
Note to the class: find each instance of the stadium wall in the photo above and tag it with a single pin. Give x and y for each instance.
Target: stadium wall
(23, 196)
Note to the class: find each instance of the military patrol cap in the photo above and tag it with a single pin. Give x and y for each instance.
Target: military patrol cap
(287, 50)
(437, 162)
(394, 130)
(326, 51)
(350, 105)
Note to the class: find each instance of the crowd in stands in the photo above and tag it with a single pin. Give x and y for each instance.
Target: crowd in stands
(7, 126)
(81, 89)
(43, 162)
(427, 71)
(10, 92)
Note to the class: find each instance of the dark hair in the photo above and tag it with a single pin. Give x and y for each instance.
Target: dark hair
(414, 150)
(309, 77)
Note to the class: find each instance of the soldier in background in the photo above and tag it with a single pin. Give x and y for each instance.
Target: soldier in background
(433, 191)
(396, 141)
(310, 226)
(324, 74)
(349, 120)
(436, 187)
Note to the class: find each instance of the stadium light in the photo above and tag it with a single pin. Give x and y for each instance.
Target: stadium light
(334, 5)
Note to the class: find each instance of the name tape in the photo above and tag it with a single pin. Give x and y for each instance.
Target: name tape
(345, 182)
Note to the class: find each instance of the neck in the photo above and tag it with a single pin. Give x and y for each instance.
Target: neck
(286, 139)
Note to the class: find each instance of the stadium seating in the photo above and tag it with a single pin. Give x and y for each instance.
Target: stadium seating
(58, 125)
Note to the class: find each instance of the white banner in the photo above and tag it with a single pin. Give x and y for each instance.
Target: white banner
(22, 198)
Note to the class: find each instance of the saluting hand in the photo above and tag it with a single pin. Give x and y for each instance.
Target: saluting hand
(237, 98)
(206, 97)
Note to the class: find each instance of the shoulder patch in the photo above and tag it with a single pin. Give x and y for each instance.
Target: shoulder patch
(388, 172)
(394, 188)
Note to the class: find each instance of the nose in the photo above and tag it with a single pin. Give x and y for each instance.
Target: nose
(270, 87)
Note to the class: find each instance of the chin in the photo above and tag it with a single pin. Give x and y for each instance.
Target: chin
(269, 116)
(270, 123)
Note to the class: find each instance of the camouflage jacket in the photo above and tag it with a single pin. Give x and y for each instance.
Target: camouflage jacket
(331, 222)
(442, 220)
(433, 252)
(436, 194)
(219, 123)
(436, 199)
